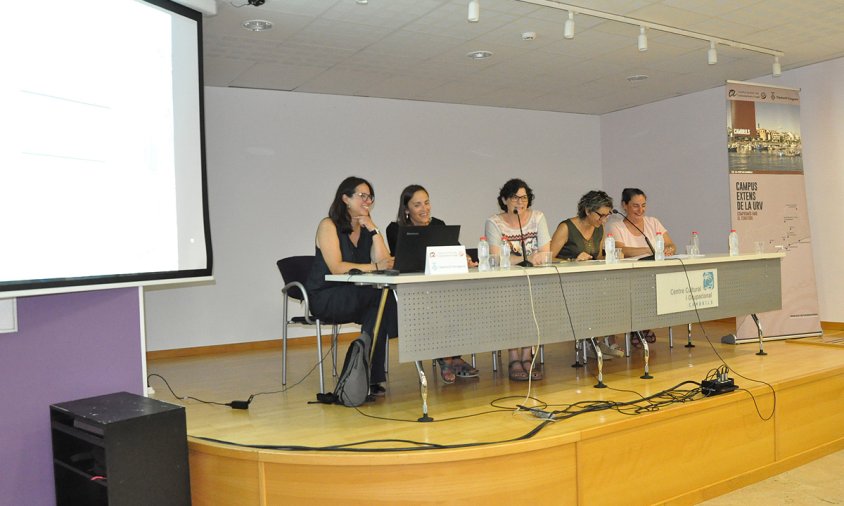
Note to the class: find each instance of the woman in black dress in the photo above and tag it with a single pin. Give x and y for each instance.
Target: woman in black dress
(348, 239)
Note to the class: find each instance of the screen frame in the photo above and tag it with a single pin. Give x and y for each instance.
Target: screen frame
(18, 288)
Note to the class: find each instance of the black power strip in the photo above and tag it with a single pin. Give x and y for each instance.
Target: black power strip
(717, 387)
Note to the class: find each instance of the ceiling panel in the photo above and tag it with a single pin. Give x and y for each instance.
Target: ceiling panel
(416, 49)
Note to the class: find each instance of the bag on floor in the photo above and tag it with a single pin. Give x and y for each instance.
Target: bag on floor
(353, 384)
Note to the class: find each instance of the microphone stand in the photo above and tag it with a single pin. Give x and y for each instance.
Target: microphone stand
(653, 251)
(525, 262)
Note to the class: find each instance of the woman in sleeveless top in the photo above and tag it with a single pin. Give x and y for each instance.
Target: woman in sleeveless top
(348, 239)
(582, 238)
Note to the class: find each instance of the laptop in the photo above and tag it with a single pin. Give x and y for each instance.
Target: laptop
(413, 241)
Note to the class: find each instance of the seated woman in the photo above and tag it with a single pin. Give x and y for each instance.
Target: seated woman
(515, 199)
(348, 239)
(415, 210)
(582, 238)
(628, 233)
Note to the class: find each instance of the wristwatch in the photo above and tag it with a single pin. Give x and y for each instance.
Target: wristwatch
(374, 232)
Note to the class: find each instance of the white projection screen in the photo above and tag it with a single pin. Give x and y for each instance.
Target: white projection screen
(102, 159)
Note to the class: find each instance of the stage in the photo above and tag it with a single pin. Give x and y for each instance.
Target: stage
(480, 448)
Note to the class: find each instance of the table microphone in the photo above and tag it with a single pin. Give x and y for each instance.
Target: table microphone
(653, 251)
(525, 262)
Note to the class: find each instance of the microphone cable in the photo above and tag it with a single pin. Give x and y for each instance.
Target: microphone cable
(723, 361)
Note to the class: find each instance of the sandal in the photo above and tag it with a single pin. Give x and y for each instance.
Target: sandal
(634, 340)
(650, 337)
(535, 374)
(463, 369)
(517, 374)
(446, 372)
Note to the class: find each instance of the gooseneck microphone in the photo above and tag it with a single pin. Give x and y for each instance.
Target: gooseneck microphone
(651, 246)
(525, 262)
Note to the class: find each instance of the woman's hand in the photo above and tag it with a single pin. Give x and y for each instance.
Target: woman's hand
(384, 264)
(365, 222)
(583, 256)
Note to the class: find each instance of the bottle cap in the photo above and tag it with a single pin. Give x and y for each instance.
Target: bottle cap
(733, 230)
(483, 238)
(694, 232)
(609, 235)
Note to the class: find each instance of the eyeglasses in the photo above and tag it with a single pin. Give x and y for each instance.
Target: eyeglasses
(366, 197)
(602, 216)
(522, 198)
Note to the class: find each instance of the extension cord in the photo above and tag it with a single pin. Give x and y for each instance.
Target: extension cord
(717, 387)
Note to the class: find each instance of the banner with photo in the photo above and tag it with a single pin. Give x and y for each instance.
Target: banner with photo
(768, 199)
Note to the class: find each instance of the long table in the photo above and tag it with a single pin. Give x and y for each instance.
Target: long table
(455, 314)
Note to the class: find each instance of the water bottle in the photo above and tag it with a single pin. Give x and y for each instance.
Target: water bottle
(695, 244)
(733, 240)
(505, 253)
(659, 247)
(483, 255)
(609, 250)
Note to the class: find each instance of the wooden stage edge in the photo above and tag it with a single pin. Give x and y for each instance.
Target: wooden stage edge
(682, 454)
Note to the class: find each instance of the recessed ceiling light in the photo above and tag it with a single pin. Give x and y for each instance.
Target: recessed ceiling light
(479, 55)
(361, 2)
(637, 77)
(258, 25)
(528, 35)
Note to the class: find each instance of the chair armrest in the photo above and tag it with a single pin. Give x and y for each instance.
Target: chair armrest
(301, 287)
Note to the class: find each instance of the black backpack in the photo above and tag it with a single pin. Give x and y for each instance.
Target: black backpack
(353, 384)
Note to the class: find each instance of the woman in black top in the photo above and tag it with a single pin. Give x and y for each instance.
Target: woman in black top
(348, 239)
(415, 210)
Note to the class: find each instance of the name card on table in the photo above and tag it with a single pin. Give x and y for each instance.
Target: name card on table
(445, 260)
(675, 293)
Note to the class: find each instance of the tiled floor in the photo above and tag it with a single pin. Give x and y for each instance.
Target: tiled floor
(818, 482)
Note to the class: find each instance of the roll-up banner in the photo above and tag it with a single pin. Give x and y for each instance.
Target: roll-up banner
(768, 199)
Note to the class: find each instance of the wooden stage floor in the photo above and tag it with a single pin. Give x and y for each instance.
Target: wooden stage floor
(489, 451)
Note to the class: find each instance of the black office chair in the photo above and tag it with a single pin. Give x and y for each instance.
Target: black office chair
(294, 270)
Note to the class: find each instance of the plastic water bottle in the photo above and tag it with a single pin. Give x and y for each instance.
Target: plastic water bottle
(483, 255)
(733, 241)
(609, 250)
(695, 244)
(659, 247)
(505, 253)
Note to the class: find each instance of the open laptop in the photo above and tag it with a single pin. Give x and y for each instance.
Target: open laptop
(412, 242)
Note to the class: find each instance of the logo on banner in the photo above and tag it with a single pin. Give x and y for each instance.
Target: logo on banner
(708, 280)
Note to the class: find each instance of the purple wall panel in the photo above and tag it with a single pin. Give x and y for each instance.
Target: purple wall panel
(67, 347)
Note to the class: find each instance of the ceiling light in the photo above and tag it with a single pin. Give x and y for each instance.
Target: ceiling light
(361, 2)
(643, 39)
(528, 35)
(637, 77)
(479, 55)
(474, 11)
(776, 69)
(712, 54)
(568, 28)
(258, 25)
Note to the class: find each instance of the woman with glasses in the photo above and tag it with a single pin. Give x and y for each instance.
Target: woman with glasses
(582, 237)
(415, 211)
(348, 241)
(634, 231)
(515, 199)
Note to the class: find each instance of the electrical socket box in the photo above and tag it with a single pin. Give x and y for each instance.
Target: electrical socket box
(717, 387)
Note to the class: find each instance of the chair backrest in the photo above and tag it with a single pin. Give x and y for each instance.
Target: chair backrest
(295, 269)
